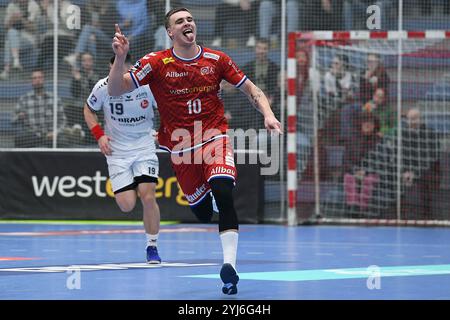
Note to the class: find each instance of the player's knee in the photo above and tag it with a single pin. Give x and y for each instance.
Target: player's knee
(222, 190)
(203, 211)
(126, 205)
(148, 199)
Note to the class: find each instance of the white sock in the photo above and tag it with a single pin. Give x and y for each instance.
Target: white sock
(152, 239)
(229, 246)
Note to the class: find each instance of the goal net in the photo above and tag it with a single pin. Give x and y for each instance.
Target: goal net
(369, 125)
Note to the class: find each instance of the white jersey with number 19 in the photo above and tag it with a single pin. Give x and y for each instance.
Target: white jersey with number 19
(128, 118)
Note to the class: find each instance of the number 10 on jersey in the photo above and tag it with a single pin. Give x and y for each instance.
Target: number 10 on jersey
(194, 106)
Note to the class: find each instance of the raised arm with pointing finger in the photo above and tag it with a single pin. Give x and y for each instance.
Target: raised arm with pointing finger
(119, 83)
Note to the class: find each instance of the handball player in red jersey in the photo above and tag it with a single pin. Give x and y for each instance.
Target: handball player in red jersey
(185, 81)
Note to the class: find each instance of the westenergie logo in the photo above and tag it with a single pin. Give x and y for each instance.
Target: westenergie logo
(98, 186)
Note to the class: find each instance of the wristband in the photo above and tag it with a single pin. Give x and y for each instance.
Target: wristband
(97, 132)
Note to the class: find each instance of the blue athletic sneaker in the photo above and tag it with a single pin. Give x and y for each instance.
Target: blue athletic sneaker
(229, 278)
(152, 255)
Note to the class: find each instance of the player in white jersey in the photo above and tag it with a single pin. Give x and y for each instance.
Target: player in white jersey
(129, 147)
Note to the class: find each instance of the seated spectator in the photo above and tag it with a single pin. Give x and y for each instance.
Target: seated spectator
(383, 111)
(378, 106)
(264, 73)
(268, 9)
(96, 33)
(338, 81)
(65, 36)
(420, 155)
(240, 13)
(427, 6)
(135, 23)
(83, 81)
(322, 15)
(158, 10)
(34, 119)
(21, 25)
(358, 183)
(373, 77)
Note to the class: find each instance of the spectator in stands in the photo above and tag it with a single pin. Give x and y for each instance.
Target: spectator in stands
(49, 18)
(135, 22)
(373, 77)
(302, 58)
(266, 75)
(268, 9)
(426, 7)
(46, 35)
(238, 13)
(264, 72)
(83, 81)
(322, 15)
(34, 118)
(338, 81)
(21, 25)
(235, 108)
(358, 182)
(95, 34)
(420, 158)
(378, 105)
(158, 10)
(355, 14)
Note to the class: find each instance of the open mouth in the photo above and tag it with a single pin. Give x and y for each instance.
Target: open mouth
(187, 32)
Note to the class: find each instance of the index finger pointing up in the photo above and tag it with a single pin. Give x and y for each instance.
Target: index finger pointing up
(118, 29)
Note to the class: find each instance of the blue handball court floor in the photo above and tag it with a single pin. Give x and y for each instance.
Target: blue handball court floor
(92, 261)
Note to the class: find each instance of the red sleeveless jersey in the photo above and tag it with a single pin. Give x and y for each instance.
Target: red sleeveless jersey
(188, 94)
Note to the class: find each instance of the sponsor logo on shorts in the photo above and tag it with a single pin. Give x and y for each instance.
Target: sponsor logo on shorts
(222, 170)
(197, 194)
